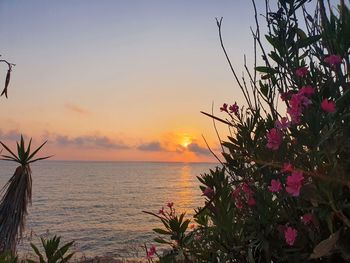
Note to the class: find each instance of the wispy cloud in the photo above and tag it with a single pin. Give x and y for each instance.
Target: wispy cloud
(12, 135)
(151, 147)
(102, 142)
(76, 109)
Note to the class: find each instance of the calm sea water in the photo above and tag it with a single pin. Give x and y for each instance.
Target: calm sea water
(99, 204)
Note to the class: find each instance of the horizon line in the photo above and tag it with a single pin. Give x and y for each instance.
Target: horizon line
(126, 161)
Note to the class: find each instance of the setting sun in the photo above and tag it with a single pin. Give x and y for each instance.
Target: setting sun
(186, 141)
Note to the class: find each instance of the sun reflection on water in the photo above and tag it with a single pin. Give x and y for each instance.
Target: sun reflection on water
(186, 194)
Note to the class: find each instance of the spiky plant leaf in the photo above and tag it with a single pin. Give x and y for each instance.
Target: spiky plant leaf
(36, 151)
(8, 149)
(17, 194)
(53, 253)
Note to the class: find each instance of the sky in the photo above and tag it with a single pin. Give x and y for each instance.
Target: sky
(121, 80)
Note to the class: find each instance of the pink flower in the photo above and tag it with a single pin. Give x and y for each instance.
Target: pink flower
(236, 192)
(243, 193)
(224, 107)
(170, 204)
(333, 60)
(307, 218)
(234, 108)
(297, 104)
(307, 91)
(287, 167)
(208, 192)
(290, 234)
(301, 72)
(251, 201)
(282, 124)
(161, 211)
(151, 252)
(239, 204)
(328, 105)
(274, 139)
(245, 187)
(294, 183)
(275, 186)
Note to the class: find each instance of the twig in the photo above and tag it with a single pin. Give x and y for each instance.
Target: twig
(219, 22)
(215, 128)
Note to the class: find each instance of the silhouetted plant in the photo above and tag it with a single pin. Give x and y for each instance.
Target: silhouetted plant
(8, 76)
(53, 252)
(283, 191)
(173, 233)
(7, 257)
(17, 194)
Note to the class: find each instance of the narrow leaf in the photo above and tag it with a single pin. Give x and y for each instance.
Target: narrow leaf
(216, 118)
(325, 246)
(8, 149)
(35, 152)
(42, 158)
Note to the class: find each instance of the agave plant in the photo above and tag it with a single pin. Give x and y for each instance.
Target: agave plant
(17, 194)
(53, 253)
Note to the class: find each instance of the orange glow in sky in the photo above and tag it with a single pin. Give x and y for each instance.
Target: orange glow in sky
(120, 80)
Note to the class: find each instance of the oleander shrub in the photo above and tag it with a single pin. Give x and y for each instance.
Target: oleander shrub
(282, 193)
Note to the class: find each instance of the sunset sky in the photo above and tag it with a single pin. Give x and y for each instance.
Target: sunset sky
(120, 80)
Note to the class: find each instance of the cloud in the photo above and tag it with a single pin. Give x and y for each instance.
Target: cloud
(151, 147)
(12, 135)
(76, 109)
(196, 148)
(102, 142)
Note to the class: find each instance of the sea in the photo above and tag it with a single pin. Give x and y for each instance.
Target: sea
(100, 205)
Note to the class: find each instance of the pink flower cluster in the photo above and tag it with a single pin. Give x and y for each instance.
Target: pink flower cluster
(275, 186)
(299, 102)
(151, 252)
(302, 72)
(287, 168)
(333, 60)
(307, 219)
(282, 124)
(294, 183)
(208, 192)
(274, 139)
(230, 109)
(243, 193)
(328, 105)
(169, 212)
(290, 234)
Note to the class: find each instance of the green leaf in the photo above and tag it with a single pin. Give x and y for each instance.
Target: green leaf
(301, 33)
(305, 42)
(67, 258)
(60, 253)
(161, 231)
(276, 58)
(266, 70)
(184, 226)
(36, 250)
(325, 246)
(161, 241)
